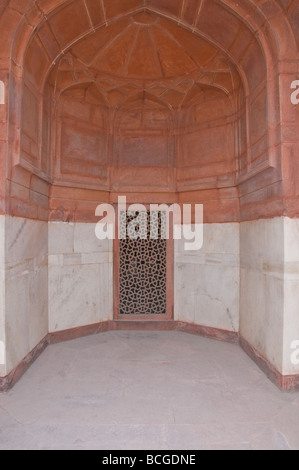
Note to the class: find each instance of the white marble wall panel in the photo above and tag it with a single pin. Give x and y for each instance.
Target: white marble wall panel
(2, 299)
(291, 297)
(59, 275)
(262, 287)
(207, 281)
(26, 286)
(80, 276)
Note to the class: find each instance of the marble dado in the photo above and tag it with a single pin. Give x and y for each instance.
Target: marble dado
(270, 289)
(291, 249)
(3, 368)
(79, 259)
(262, 287)
(262, 247)
(207, 281)
(26, 287)
(80, 276)
(57, 276)
(291, 293)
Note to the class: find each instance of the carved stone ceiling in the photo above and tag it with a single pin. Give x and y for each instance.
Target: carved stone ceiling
(146, 53)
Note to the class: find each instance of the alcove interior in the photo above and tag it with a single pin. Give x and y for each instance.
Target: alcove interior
(142, 105)
(161, 102)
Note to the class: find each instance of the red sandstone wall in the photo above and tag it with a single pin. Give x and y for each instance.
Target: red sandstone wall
(82, 138)
(231, 145)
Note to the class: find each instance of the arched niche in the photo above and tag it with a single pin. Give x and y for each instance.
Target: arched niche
(81, 129)
(241, 33)
(143, 145)
(209, 140)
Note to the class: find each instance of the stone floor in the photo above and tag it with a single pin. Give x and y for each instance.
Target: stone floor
(147, 390)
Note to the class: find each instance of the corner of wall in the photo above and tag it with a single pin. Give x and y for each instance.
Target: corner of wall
(3, 368)
(291, 297)
(262, 287)
(26, 287)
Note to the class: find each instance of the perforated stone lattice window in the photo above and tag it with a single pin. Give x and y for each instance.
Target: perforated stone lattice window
(142, 270)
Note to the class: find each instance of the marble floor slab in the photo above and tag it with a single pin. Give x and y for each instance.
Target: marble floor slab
(147, 390)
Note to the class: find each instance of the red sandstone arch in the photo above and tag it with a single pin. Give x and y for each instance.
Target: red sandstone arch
(50, 81)
(33, 50)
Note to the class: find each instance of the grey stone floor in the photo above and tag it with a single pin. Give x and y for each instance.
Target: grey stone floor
(147, 390)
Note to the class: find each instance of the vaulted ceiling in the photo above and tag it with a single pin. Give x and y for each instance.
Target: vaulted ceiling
(204, 63)
(146, 52)
(144, 46)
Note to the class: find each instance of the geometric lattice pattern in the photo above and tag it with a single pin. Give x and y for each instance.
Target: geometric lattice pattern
(142, 265)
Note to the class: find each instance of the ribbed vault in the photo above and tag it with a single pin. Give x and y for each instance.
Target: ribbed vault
(211, 65)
